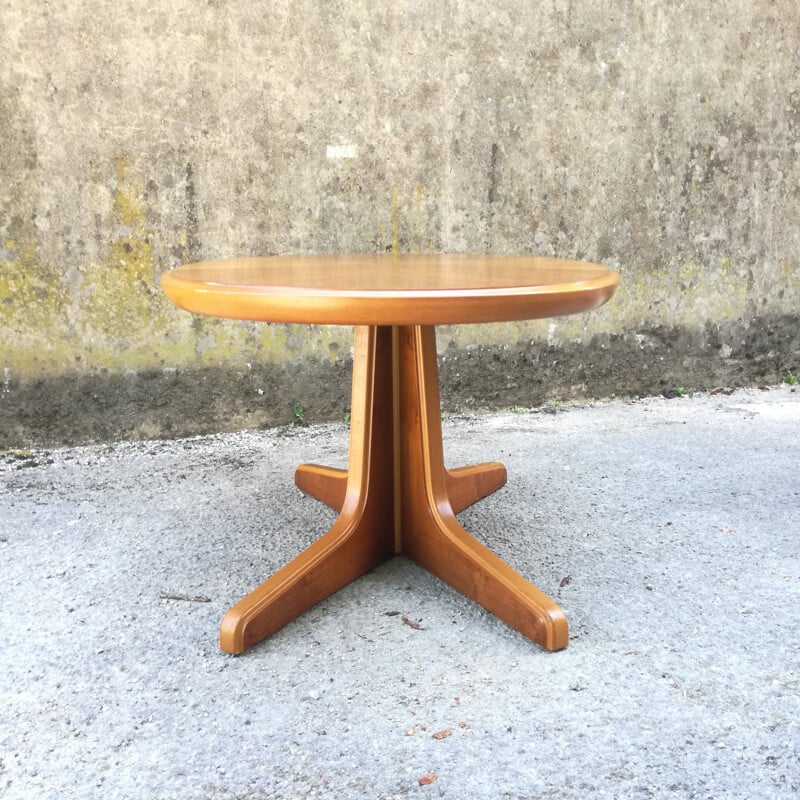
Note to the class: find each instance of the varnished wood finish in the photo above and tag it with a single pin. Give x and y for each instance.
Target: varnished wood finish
(389, 289)
(396, 495)
(363, 534)
(431, 534)
(466, 485)
(326, 484)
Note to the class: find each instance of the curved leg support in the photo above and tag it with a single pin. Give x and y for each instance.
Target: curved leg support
(345, 552)
(396, 496)
(431, 534)
(449, 552)
(467, 485)
(326, 484)
(362, 536)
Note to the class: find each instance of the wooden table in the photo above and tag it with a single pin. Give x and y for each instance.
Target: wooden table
(396, 496)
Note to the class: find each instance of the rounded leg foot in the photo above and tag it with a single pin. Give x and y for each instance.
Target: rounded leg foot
(346, 551)
(450, 553)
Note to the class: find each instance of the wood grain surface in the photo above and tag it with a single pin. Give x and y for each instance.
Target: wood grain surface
(389, 289)
(396, 497)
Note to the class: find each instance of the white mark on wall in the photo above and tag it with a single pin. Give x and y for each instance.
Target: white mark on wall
(342, 151)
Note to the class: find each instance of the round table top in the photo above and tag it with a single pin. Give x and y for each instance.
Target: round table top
(389, 289)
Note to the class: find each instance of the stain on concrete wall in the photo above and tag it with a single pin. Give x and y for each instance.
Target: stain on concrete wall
(661, 139)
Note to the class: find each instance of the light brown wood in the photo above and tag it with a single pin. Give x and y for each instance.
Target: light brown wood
(326, 484)
(466, 485)
(363, 534)
(431, 535)
(396, 495)
(389, 289)
(396, 477)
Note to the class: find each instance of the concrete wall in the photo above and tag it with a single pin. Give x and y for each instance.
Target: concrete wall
(658, 137)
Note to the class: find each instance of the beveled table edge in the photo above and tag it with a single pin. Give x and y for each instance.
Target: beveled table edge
(328, 306)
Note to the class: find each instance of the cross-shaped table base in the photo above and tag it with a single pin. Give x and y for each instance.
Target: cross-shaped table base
(395, 497)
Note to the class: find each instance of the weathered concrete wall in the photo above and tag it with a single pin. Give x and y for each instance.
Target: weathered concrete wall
(658, 137)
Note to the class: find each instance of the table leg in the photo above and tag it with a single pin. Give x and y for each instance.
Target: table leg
(431, 535)
(466, 485)
(395, 496)
(363, 534)
(326, 484)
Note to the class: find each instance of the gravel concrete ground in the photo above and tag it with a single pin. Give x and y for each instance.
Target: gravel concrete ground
(667, 529)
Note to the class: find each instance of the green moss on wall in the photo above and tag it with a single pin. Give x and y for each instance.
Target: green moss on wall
(114, 316)
(120, 302)
(30, 299)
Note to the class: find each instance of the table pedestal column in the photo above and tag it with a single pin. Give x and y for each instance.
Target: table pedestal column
(395, 497)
